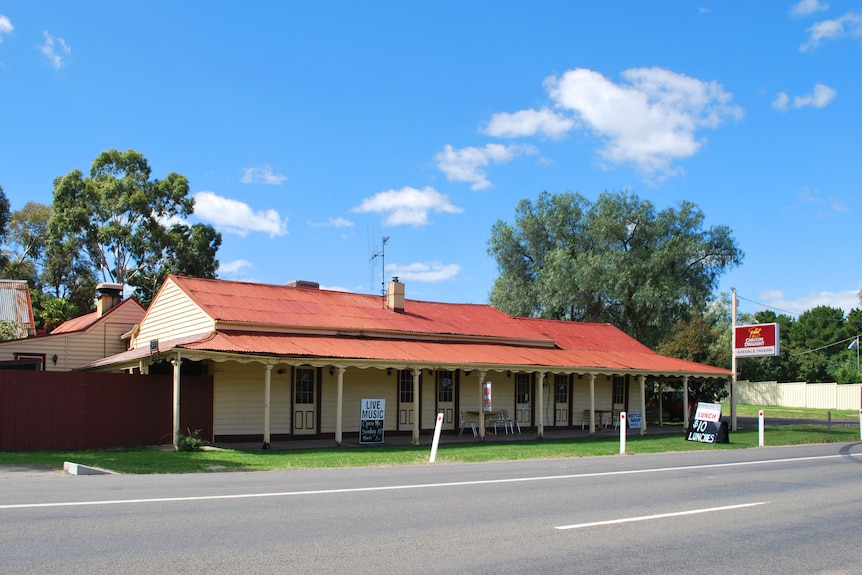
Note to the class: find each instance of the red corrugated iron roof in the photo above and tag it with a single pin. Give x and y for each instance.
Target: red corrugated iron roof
(441, 353)
(15, 305)
(358, 327)
(83, 322)
(79, 323)
(256, 304)
(585, 335)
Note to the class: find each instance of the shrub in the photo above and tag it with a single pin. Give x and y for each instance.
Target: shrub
(189, 441)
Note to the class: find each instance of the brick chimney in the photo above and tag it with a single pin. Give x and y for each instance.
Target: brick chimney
(395, 295)
(108, 295)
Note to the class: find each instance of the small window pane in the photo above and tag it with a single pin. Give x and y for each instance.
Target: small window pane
(445, 387)
(522, 387)
(561, 388)
(405, 386)
(304, 389)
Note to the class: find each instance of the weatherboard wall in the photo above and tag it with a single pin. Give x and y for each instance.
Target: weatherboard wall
(238, 393)
(172, 315)
(77, 348)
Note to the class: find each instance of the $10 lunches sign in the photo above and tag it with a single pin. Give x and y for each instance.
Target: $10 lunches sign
(706, 427)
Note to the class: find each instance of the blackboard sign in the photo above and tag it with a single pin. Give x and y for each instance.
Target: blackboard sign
(371, 420)
(707, 427)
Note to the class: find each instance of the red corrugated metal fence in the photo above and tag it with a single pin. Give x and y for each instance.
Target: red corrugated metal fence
(74, 410)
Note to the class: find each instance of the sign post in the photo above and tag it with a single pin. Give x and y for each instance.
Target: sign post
(760, 428)
(437, 428)
(622, 433)
(371, 420)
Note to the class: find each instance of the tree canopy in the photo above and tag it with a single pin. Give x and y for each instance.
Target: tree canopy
(127, 226)
(4, 222)
(813, 347)
(617, 260)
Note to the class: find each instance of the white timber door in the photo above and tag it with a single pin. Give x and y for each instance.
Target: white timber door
(446, 397)
(305, 401)
(406, 413)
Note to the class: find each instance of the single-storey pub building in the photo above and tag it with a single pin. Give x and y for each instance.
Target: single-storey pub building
(295, 361)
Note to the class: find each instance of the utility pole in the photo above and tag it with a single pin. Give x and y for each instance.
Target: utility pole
(733, 360)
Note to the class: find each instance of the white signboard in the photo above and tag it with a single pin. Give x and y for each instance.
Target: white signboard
(634, 420)
(371, 420)
(710, 412)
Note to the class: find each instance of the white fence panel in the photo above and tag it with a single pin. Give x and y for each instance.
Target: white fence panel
(792, 394)
(849, 396)
(801, 394)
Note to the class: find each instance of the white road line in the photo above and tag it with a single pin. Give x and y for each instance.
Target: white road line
(659, 516)
(416, 486)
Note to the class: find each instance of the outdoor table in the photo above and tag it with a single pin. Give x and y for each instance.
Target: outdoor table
(600, 417)
(489, 416)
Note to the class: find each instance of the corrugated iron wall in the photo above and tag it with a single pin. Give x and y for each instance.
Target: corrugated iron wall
(73, 410)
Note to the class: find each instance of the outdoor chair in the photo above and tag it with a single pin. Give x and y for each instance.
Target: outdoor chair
(512, 423)
(464, 424)
(500, 420)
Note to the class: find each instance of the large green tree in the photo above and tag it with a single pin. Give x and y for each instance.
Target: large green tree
(25, 242)
(617, 260)
(127, 224)
(819, 339)
(4, 222)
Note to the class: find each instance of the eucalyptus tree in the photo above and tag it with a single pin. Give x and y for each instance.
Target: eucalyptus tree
(4, 222)
(128, 225)
(25, 241)
(616, 260)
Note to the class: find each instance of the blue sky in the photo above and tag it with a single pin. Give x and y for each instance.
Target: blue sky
(310, 131)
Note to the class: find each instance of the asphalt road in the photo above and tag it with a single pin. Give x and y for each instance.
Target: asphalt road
(769, 510)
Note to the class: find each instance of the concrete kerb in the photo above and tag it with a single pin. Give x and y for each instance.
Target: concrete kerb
(78, 469)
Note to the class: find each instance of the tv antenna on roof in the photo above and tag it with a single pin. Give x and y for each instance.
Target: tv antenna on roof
(382, 255)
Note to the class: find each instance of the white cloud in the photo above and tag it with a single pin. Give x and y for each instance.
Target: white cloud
(819, 206)
(424, 272)
(528, 123)
(262, 175)
(333, 223)
(650, 120)
(232, 268)
(237, 217)
(847, 26)
(6, 26)
(846, 300)
(821, 97)
(408, 205)
(340, 223)
(54, 50)
(807, 7)
(466, 164)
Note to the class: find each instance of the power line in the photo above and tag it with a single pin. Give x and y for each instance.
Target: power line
(825, 346)
(844, 320)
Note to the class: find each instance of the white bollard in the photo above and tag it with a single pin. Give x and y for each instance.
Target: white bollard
(622, 433)
(760, 428)
(860, 424)
(437, 427)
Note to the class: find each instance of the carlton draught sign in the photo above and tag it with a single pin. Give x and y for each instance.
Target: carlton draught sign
(756, 340)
